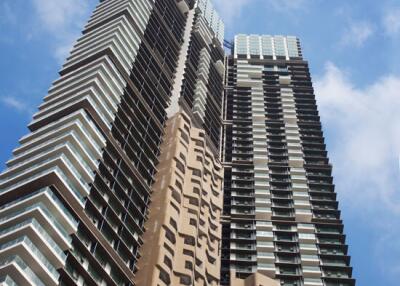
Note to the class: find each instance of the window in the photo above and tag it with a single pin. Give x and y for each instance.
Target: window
(288, 270)
(210, 279)
(199, 143)
(178, 185)
(198, 158)
(285, 237)
(168, 262)
(175, 207)
(169, 249)
(182, 157)
(210, 258)
(198, 150)
(196, 173)
(188, 265)
(198, 262)
(176, 196)
(185, 280)
(180, 166)
(193, 222)
(189, 240)
(172, 222)
(188, 252)
(164, 277)
(194, 201)
(170, 236)
(185, 137)
(186, 128)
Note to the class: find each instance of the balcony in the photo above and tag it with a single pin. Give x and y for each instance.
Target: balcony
(331, 251)
(335, 274)
(242, 226)
(242, 236)
(289, 271)
(244, 247)
(287, 259)
(243, 258)
(242, 186)
(334, 263)
(312, 271)
(242, 178)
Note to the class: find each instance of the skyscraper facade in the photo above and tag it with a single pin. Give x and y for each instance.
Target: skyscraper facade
(183, 237)
(280, 217)
(155, 159)
(75, 197)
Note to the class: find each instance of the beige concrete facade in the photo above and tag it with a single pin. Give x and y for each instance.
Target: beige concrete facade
(183, 233)
(256, 279)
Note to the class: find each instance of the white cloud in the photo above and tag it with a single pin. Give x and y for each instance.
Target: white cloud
(357, 33)
(363, 135)
(287, 5)
(231, 10)
(63, 20)
(391, 21)
(16, 104)
(365, 141)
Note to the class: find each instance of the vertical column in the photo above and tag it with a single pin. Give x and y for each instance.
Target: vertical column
(295, 154)
(200, 93)
(264, 234)
(180, 69)
(301, 200)
(309, 254)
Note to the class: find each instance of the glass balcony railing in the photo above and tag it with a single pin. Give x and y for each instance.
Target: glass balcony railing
(313, 281)
(61, 206)
(311, 269)
(39, 229)
(54, 199)
(33, 250)
(56, 169)
(48, 214)
(332, 262)
(15, 259)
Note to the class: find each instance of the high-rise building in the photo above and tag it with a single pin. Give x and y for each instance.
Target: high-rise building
(75, 197)
(280, 216)
(183, 237)
(157, 160)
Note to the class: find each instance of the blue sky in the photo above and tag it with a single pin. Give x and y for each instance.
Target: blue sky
(353, 49)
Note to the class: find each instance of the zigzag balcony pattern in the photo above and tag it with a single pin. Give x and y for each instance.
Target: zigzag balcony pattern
(62, 220)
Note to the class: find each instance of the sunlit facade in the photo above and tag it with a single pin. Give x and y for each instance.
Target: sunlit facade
(281, 217)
